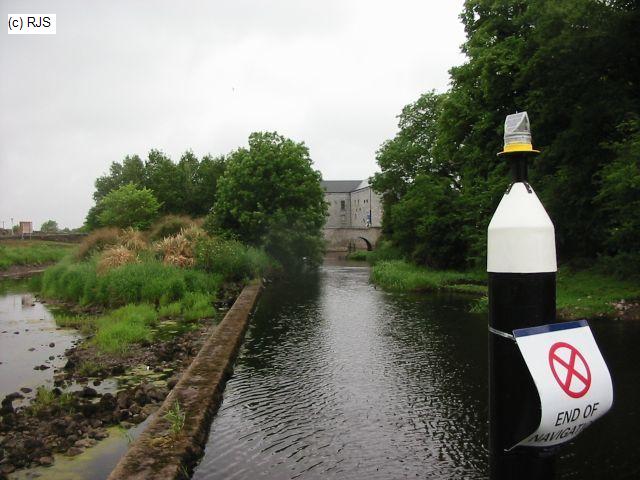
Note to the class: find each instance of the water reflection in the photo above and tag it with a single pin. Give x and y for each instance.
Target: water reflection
(340, 380)
(28, 338)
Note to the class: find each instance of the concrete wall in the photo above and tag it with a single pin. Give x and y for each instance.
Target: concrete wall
(338, 217)
(363, 202)
(337, 239)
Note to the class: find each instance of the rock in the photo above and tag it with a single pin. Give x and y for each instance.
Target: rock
(96, 383)
(172, 382)
(32, 349)
(124, 399)
(108, 402)
(7, 468)
(13, 396)
(45, 461)
(85, 443)
(33, 444)
(100, 435)
(52, 357)
(88, 392)
(52, 345)
(73, 451)
(26, 390)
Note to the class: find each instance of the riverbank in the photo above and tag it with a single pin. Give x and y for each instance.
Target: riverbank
(580, 294)
(20, 256)
(144, 308)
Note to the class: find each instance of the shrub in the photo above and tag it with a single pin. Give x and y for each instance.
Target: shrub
(128, 206)
(227, 257)
(133, 239)
(115, 257)
(176, 250)
(170, 225)
(97, 241)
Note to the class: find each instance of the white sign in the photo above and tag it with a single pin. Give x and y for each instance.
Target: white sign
(572, 379)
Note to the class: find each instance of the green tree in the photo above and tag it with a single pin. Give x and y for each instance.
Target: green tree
(131, 170)
(619, 195)
(270, 196)
(50, 226)
(128, 206)
(166, 181)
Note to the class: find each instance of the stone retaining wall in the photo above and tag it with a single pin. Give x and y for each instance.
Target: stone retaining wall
(156, 453)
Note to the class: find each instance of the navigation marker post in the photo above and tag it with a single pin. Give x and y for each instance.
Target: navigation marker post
(547, 381)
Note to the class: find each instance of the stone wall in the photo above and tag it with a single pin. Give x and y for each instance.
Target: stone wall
(337, 239)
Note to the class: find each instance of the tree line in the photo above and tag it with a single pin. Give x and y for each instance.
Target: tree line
(574, 65)
(266, 195)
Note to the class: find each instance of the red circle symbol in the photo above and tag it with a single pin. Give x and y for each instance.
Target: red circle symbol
(575, 377)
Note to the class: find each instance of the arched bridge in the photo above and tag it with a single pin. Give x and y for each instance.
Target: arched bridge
(365, 238)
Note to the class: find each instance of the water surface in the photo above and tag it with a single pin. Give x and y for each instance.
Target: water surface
(339, 380)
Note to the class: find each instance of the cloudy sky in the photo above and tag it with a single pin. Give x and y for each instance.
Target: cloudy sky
(122, 77)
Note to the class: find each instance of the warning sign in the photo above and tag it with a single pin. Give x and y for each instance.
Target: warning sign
(572, 373)
(573, 381)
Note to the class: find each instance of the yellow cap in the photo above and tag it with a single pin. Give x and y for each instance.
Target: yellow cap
(517, 134)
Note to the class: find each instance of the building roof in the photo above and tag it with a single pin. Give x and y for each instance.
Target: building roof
(341, 186)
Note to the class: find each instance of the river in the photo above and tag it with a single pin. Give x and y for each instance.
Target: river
(338, 379)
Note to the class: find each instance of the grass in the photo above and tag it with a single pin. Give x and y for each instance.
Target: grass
(80, 322)
(580, 293)
(145, 282)
(32, 252)
(46, 398)
(176, 417)
(587, 294)
(402, 276)
(121, 328)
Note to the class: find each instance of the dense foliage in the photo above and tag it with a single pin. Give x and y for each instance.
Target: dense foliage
(574, 65)
(187, 187)
(270, 196)
(128, 206)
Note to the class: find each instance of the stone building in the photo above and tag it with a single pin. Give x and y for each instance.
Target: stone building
(352, 204)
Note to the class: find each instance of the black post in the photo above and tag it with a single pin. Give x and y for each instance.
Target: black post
(520, 295)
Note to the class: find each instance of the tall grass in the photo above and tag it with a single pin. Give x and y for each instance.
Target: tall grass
(32, 253)
(118, 330)
(146, 282)
(403, 276)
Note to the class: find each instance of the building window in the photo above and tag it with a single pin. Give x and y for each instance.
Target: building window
(342, 205)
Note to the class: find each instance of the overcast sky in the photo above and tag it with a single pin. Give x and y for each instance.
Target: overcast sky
(122, 77)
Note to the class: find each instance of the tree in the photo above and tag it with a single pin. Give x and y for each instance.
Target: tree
(166, 181)
(50, 226)
(128, 206)
(270, 196)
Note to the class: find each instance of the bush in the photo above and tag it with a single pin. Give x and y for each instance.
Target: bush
(97, 241)
(115, 257)
(170, 225)
(133, 240)
(176, 250)
(128, 206)
(230, 258)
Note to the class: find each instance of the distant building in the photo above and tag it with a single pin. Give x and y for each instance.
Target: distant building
(352, 204)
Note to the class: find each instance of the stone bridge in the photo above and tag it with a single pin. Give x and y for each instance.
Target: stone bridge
(338, 239)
